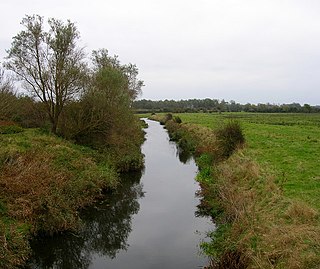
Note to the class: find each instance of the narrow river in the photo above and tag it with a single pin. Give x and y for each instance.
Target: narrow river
(149, 222)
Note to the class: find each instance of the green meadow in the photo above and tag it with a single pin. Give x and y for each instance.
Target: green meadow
(287, 145)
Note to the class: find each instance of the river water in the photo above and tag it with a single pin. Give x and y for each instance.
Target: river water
(148, 222)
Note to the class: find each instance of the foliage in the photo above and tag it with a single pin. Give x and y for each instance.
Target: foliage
(44, 180)
(102, 117)
(230, 137)
(49, 63)
(93, 117)
(101, 60)
(259, 227)
(287, 145)
(166, 118)
(23, 110)
(88, 106)
(177, 119)
(7, 96)
(10, 129)
(14, 247)
(214, 105)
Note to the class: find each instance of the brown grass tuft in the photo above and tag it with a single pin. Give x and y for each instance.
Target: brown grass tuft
(43, 181)
(267, 230)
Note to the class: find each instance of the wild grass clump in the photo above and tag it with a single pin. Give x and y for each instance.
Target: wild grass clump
(230, 137)
(177, 119)
(143, 124)
(180, 135)
(14, 247)
(258, 227)
(10, 129)
(219, 143)
(291, 151)
(162, 118)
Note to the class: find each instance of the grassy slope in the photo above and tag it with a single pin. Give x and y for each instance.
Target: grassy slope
(43, 181)
(288, 145)
(258, 226)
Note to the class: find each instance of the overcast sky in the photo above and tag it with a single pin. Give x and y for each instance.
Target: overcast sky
(253, 51)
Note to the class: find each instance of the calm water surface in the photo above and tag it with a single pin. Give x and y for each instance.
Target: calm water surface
(149, 222)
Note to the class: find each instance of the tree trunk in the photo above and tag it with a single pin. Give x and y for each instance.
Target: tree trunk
(54, 127)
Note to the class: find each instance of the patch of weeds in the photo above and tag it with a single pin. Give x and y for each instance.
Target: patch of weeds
(24, 228)
(10, 129)
(205, 175)
(166, 118)
(230, 137)
(204, 160)
(3, 207)
(177, 119)
(24, 144)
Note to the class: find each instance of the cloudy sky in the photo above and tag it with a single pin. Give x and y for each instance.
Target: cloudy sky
(253, 51)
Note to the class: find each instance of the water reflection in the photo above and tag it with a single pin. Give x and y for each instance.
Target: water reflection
(184, 155)
(105, 231)
(164, 234)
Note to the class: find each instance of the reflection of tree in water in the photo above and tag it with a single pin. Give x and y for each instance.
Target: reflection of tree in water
(184, 154)
(204, 208)
(105, 231)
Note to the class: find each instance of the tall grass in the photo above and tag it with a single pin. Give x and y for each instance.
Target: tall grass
(43, 181)
(258, 227)
(288, 145)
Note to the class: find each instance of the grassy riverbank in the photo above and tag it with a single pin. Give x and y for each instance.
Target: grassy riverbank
(264, 204)
(44, 180)
(287, 145)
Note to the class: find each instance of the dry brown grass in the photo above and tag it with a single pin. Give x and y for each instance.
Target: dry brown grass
(43, 182)
(267, 230)
(14, 248)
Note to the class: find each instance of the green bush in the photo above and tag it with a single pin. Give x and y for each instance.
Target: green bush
(229, 138)
(177, 119)
(166, 118)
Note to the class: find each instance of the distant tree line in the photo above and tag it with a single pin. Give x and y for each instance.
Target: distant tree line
(215, 105)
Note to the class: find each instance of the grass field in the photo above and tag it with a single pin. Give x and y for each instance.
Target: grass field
(288, 145)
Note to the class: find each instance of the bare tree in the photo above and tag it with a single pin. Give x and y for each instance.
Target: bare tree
(48, 62)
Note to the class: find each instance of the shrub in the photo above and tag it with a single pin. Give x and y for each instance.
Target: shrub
(229, 137)
(166, 118)
(177, 119)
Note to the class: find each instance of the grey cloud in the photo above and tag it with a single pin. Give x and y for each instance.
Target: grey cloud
(248, 51)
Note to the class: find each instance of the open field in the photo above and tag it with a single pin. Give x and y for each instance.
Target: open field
(288, 145)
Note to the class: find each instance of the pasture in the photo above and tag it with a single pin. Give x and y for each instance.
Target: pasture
(287, 145)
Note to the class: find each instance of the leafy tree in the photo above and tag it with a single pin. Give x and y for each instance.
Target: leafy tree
(307, 108)
(101, 59)
(48, 62)
(103, 114)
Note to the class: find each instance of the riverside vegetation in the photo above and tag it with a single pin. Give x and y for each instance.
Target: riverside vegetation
(264, 196)
(63, 145)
